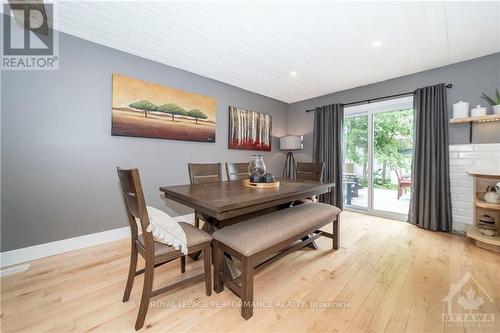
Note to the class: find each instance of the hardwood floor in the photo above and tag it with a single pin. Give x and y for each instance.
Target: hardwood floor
(387, 277)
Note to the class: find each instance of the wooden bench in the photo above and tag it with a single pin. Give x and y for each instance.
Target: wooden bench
(255, 239)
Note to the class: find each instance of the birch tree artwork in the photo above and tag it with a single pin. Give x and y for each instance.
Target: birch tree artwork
(249, 130)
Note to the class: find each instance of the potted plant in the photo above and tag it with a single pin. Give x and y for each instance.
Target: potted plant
(495, 104)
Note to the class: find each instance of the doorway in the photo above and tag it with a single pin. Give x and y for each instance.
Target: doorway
(378, 148)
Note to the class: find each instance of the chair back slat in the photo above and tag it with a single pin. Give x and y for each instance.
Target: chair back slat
(310, 171)
(205, 173)
(237, 171)
(135, 204)
(131, 204)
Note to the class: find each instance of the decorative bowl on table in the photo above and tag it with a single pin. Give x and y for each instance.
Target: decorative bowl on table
(267, 178)
(265, 181)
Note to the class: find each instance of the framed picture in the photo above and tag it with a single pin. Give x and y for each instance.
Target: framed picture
(249, 130)
(150, 110)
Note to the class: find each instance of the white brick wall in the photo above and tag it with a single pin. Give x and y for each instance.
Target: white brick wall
(462, 159)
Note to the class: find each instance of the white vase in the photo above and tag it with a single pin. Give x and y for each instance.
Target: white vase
(478, 111)
(460, 110)
(256, 166)
(496, 109)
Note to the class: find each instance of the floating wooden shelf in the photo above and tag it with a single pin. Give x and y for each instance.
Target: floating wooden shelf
(490, 173)
(472, 120)
(483, 204)
(481, 119)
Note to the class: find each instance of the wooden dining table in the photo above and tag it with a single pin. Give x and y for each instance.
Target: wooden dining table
(225, 203)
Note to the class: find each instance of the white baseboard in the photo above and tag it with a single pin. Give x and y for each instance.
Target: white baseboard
(459, 227)
(14, 270)
(49, 249)
(18, 256)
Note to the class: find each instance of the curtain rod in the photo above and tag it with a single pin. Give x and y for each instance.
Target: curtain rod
(449, 85)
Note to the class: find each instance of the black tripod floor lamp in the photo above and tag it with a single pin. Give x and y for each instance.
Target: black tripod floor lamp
(290, 143)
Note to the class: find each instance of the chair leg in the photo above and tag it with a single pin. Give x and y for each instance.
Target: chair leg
(336, 233)
(207, 261)
(131, 272)
(247, 288)
(196, 220)
(183, 264)
(218, 267)
(146, 295)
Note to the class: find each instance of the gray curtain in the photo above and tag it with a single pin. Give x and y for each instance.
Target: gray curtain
(430, 206)
(328, 128)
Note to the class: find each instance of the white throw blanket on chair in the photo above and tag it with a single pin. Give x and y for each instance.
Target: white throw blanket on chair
(166, 230)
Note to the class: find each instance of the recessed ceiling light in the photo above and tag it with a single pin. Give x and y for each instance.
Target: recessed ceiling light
(292, 74)
(376, 43)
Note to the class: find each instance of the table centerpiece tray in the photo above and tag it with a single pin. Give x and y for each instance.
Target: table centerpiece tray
(248, 183)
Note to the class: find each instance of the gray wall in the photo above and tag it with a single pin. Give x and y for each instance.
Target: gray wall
(469, 78)
(58, 157)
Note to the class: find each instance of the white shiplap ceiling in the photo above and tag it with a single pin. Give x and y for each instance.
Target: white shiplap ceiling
(256, 45)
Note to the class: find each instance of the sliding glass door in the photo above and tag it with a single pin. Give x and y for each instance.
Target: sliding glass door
(393, 146)
(378, 145)
(355, 180)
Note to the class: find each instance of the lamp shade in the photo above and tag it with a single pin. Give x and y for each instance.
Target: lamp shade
(291, 142)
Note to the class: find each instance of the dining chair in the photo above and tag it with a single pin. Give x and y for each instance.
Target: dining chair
(237, 171)
(310, 171)
(200, 173)
(203, 173)
(155, 253)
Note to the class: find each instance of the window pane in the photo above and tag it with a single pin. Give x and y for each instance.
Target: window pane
(355, 180)
(392, 149)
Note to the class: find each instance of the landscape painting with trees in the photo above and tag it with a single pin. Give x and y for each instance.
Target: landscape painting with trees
(249, 130)
(150, 110)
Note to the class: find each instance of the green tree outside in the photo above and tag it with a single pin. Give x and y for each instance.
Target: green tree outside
(356, 142)
(144, 105)
(197, 113)
(393, 142)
